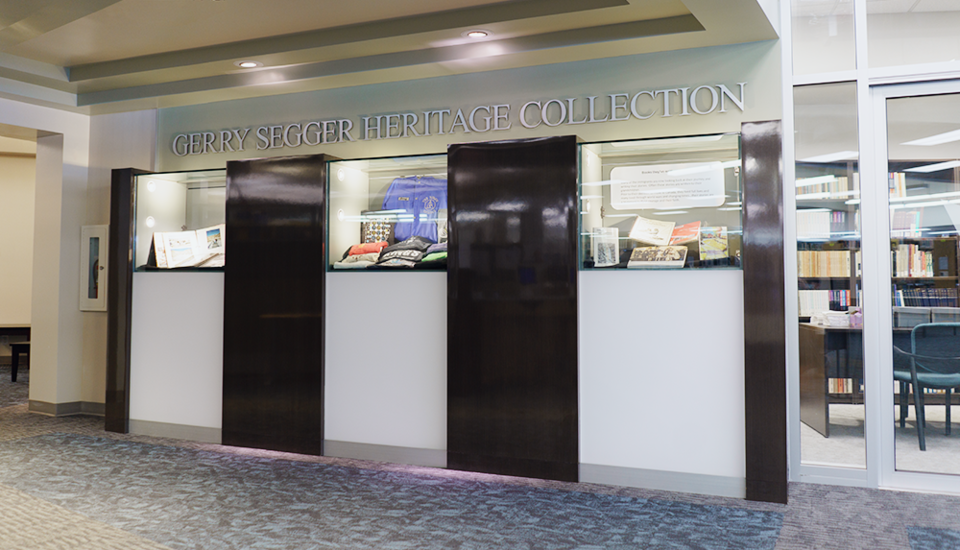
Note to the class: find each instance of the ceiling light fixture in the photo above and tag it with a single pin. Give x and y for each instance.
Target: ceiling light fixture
(938, 139)
(248, 64)
(476, 34)
(926, 169)
(833, 157)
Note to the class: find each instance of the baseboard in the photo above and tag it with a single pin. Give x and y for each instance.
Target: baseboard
(201, 434)
(386, 453)
(66, 409)
(680, 482)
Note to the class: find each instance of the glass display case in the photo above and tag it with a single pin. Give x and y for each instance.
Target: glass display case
(180, 220)
(388, 213)
(669, 203)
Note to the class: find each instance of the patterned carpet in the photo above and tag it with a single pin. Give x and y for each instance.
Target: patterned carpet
(66, 484)
(185, 498)
(14, 393)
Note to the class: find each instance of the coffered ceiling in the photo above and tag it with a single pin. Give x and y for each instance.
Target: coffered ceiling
(99, 56)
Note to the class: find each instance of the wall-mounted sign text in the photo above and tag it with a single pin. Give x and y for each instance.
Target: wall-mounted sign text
(618, 107)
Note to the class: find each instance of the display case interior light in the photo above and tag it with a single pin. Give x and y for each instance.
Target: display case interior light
(151, 186)
(667, 141)
(150, 221)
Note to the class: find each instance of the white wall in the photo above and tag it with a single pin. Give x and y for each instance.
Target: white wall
(661, 371)
(123, 140)
(61, 181)
(176, 349)
(17, 175)
(757, 64)
(386, 359)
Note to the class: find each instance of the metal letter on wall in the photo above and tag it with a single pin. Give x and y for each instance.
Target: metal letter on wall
(512, 395)
(273, 304)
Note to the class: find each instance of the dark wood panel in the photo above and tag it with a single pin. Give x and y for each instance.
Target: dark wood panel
(512, 308)
(273, 304)
(120, 298)
(763, 309)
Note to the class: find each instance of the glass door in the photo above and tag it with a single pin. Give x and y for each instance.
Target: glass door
(922, 175)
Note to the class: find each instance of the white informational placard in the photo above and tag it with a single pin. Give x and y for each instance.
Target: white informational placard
(666, 186)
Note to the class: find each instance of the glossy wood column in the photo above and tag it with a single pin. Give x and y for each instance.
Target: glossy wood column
(763, 312)
(273, 304)
(120, 298)
(512, 308)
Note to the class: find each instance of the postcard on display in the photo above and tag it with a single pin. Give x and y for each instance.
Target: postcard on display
(713, 243)
(605, 245)
(653, 232)
(657, 257)
(160, 254)
(201, 248)
(181, 248)
(687, 233)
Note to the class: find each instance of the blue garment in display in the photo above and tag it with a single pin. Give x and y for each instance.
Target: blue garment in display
(421, 196)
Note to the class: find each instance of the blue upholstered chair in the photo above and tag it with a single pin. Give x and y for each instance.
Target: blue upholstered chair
(933, 362)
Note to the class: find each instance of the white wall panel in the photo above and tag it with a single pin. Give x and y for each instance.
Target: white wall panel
(176, 348)
(386, 359)
(661, 371)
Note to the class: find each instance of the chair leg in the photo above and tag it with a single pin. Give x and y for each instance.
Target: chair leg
(904, 404)
(921, 416)
(947, 397)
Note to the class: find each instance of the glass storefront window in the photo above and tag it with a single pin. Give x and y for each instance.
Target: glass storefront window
(823, 36)
(661, 203)
(906, 32)
(829, 276)
(180, 220)
(388, 213)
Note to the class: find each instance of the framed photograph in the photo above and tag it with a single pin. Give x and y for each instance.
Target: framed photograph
(93, 268)
(605, 242)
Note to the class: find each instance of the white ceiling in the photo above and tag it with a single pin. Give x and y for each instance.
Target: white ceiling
(98, 56)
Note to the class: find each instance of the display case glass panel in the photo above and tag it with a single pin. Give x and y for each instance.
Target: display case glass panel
(671, 203)
(180, 220)
(388, 213)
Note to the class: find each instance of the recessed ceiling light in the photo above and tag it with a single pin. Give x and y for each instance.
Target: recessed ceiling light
(247, 64)
(926, 169)
(476, 33)
(938, 139)
(833, 157)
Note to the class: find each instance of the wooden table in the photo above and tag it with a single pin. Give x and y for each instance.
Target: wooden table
(16, 348)
(831, 352)
(16, 330)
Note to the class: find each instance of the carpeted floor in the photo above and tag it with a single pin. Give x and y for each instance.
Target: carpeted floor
(14, 393)
(185, 498)
(65, 484)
